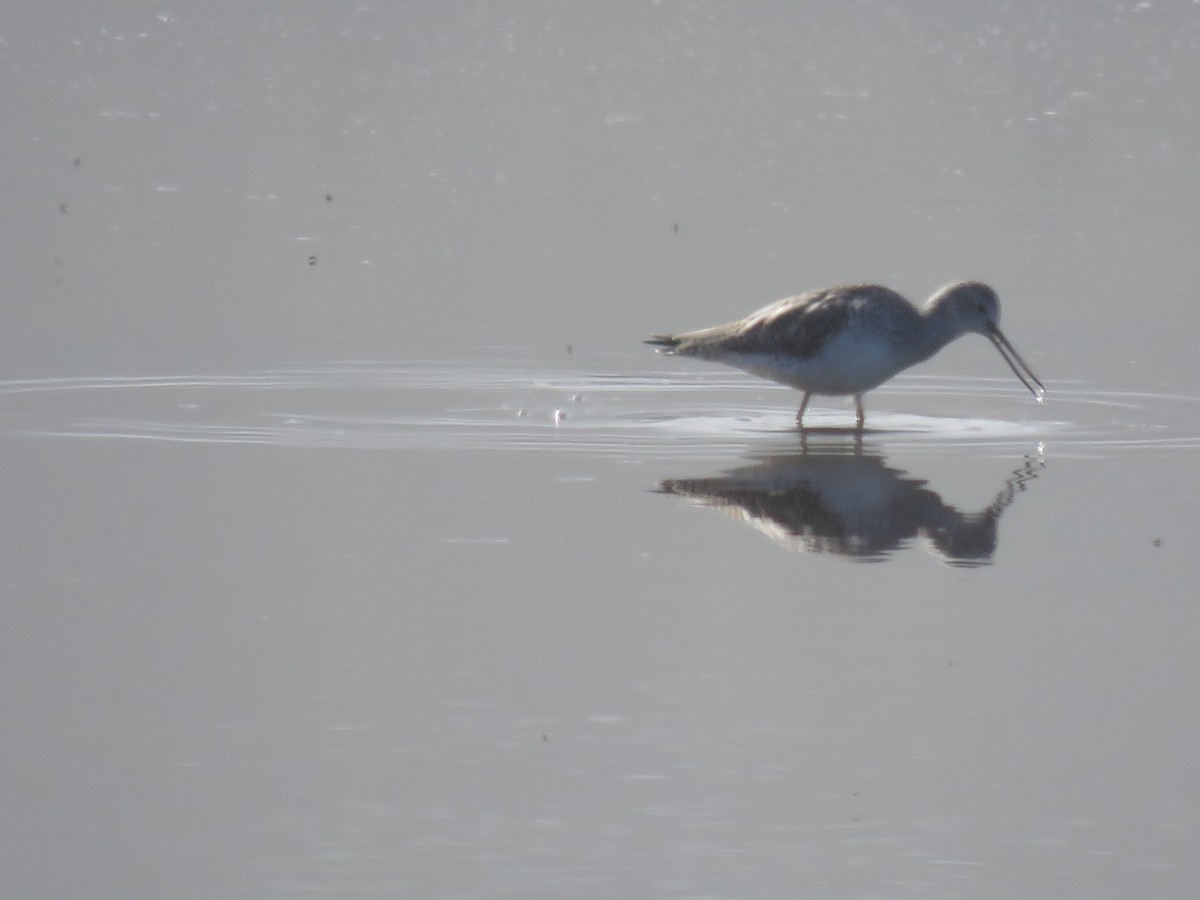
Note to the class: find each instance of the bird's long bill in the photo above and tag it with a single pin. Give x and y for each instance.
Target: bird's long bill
(1019, 366)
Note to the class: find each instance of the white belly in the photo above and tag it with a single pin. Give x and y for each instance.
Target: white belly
(844, 365)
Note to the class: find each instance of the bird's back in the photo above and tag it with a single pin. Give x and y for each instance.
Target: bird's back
(796, 326)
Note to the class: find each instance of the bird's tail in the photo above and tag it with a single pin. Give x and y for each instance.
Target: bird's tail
(666, 343)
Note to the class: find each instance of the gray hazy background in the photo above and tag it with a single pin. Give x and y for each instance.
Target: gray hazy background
(303, 593)
(512, 173)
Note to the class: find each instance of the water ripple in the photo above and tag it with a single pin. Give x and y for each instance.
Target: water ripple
(434, 405)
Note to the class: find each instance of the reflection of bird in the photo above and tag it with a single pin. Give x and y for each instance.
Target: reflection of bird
(852, 505)
(849, 339)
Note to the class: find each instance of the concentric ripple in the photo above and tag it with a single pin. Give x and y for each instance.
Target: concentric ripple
(507, 404)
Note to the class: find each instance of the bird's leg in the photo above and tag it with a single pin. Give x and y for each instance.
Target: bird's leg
(859, 415)
(803, 406)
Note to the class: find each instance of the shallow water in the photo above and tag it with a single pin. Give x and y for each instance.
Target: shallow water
(309, 591)
(374, 628)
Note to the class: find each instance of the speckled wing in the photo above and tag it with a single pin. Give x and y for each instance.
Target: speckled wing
(800, 326)
(797, 326)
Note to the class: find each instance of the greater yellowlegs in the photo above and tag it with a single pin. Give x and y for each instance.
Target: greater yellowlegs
(849, 339)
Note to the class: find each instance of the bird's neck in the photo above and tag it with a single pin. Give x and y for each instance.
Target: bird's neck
(939, 326)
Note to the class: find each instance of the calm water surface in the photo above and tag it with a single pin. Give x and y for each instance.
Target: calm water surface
(386, 629)
(307, 593)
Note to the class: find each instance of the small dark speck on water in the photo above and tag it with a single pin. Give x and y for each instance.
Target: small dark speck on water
(312, 260)
(329, 198)
(62, 207)
(570, 349)
(677, 228)
(76, 162)
(545, 738)
(1157, 542)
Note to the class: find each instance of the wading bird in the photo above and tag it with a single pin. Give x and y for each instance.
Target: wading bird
(849, 339)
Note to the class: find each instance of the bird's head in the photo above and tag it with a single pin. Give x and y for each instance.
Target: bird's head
(973, 307)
